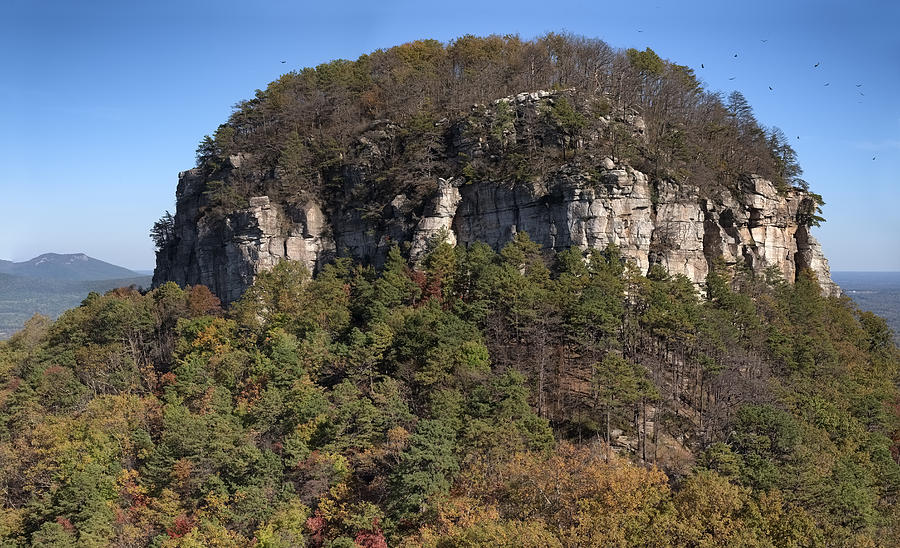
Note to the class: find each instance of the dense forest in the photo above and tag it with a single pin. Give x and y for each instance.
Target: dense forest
(484, 399)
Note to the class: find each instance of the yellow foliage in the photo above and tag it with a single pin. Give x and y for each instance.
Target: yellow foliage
(11, 521)
(464, 521)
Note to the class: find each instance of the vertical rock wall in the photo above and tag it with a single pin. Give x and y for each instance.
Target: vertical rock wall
(659, 222)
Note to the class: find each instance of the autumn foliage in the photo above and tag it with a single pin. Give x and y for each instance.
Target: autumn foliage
(488, 399)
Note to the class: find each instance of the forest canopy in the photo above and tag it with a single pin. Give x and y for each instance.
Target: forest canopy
(487, 399)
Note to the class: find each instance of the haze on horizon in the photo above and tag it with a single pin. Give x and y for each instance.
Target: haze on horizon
(105, 103)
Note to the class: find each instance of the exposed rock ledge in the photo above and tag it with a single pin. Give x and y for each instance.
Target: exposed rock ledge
(659, 222)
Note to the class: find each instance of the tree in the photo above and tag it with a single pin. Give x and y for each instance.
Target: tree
(620, 383)
(426, 470)
(788, 170)
(163, 231)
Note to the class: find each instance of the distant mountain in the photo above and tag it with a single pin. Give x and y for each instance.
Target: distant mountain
(68, 267)
(21, 297)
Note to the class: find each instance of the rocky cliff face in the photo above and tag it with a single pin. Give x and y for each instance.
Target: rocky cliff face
(669, 224)
(651, 221)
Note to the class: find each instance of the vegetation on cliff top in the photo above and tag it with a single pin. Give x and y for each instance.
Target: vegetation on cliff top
(469, 403)
(417, 101)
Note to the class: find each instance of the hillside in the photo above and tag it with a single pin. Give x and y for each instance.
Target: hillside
(466, 403)
(68, 267)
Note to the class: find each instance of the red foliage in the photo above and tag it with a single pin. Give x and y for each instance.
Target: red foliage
(167, 378)
(66, 524)
(122, 292)
(53, 370)
(371, 539)
(316, 526)
(433, 289)
(180, 527)
(419, 278)
(202, 301)
(430, 286)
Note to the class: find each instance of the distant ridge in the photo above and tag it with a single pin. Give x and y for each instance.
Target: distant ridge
(74, 267)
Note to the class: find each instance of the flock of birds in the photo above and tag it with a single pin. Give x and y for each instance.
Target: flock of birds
(815, 66)
(703, 66)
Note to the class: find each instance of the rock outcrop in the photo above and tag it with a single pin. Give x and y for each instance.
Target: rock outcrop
(225, 254)
(589, 204)
(662, 223)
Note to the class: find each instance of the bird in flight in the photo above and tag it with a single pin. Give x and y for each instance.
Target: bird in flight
(283, 62)
(764, 41)
(859, 85)
(873, 157)
(733, 77)
(816, 65)
(828, 84)
(701, 65)
(735, 54)
(770, 87)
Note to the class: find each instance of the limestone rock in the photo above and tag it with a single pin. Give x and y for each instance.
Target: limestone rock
(810, 255)
(440, 218)
(226, 254)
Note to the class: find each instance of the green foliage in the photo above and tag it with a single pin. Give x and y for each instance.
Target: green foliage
(788, 170)
(618, 382)
(809, 213)
(503, 122)
(224, 196)
(721, 459)
(163, 231)
(425, 470)
(765, 437)
(647, 61)
(443, 406)
(565, 117)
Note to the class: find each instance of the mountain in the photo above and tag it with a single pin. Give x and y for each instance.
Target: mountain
(560, 295)
(68, 267)
(362, 156)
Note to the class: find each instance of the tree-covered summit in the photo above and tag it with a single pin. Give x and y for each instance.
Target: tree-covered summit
(417, 101)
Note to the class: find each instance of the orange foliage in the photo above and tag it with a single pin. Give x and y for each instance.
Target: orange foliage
(202, 301)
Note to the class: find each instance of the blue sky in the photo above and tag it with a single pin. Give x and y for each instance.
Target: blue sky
(103, 102)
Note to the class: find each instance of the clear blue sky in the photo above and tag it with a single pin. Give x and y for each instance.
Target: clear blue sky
(103, 102)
